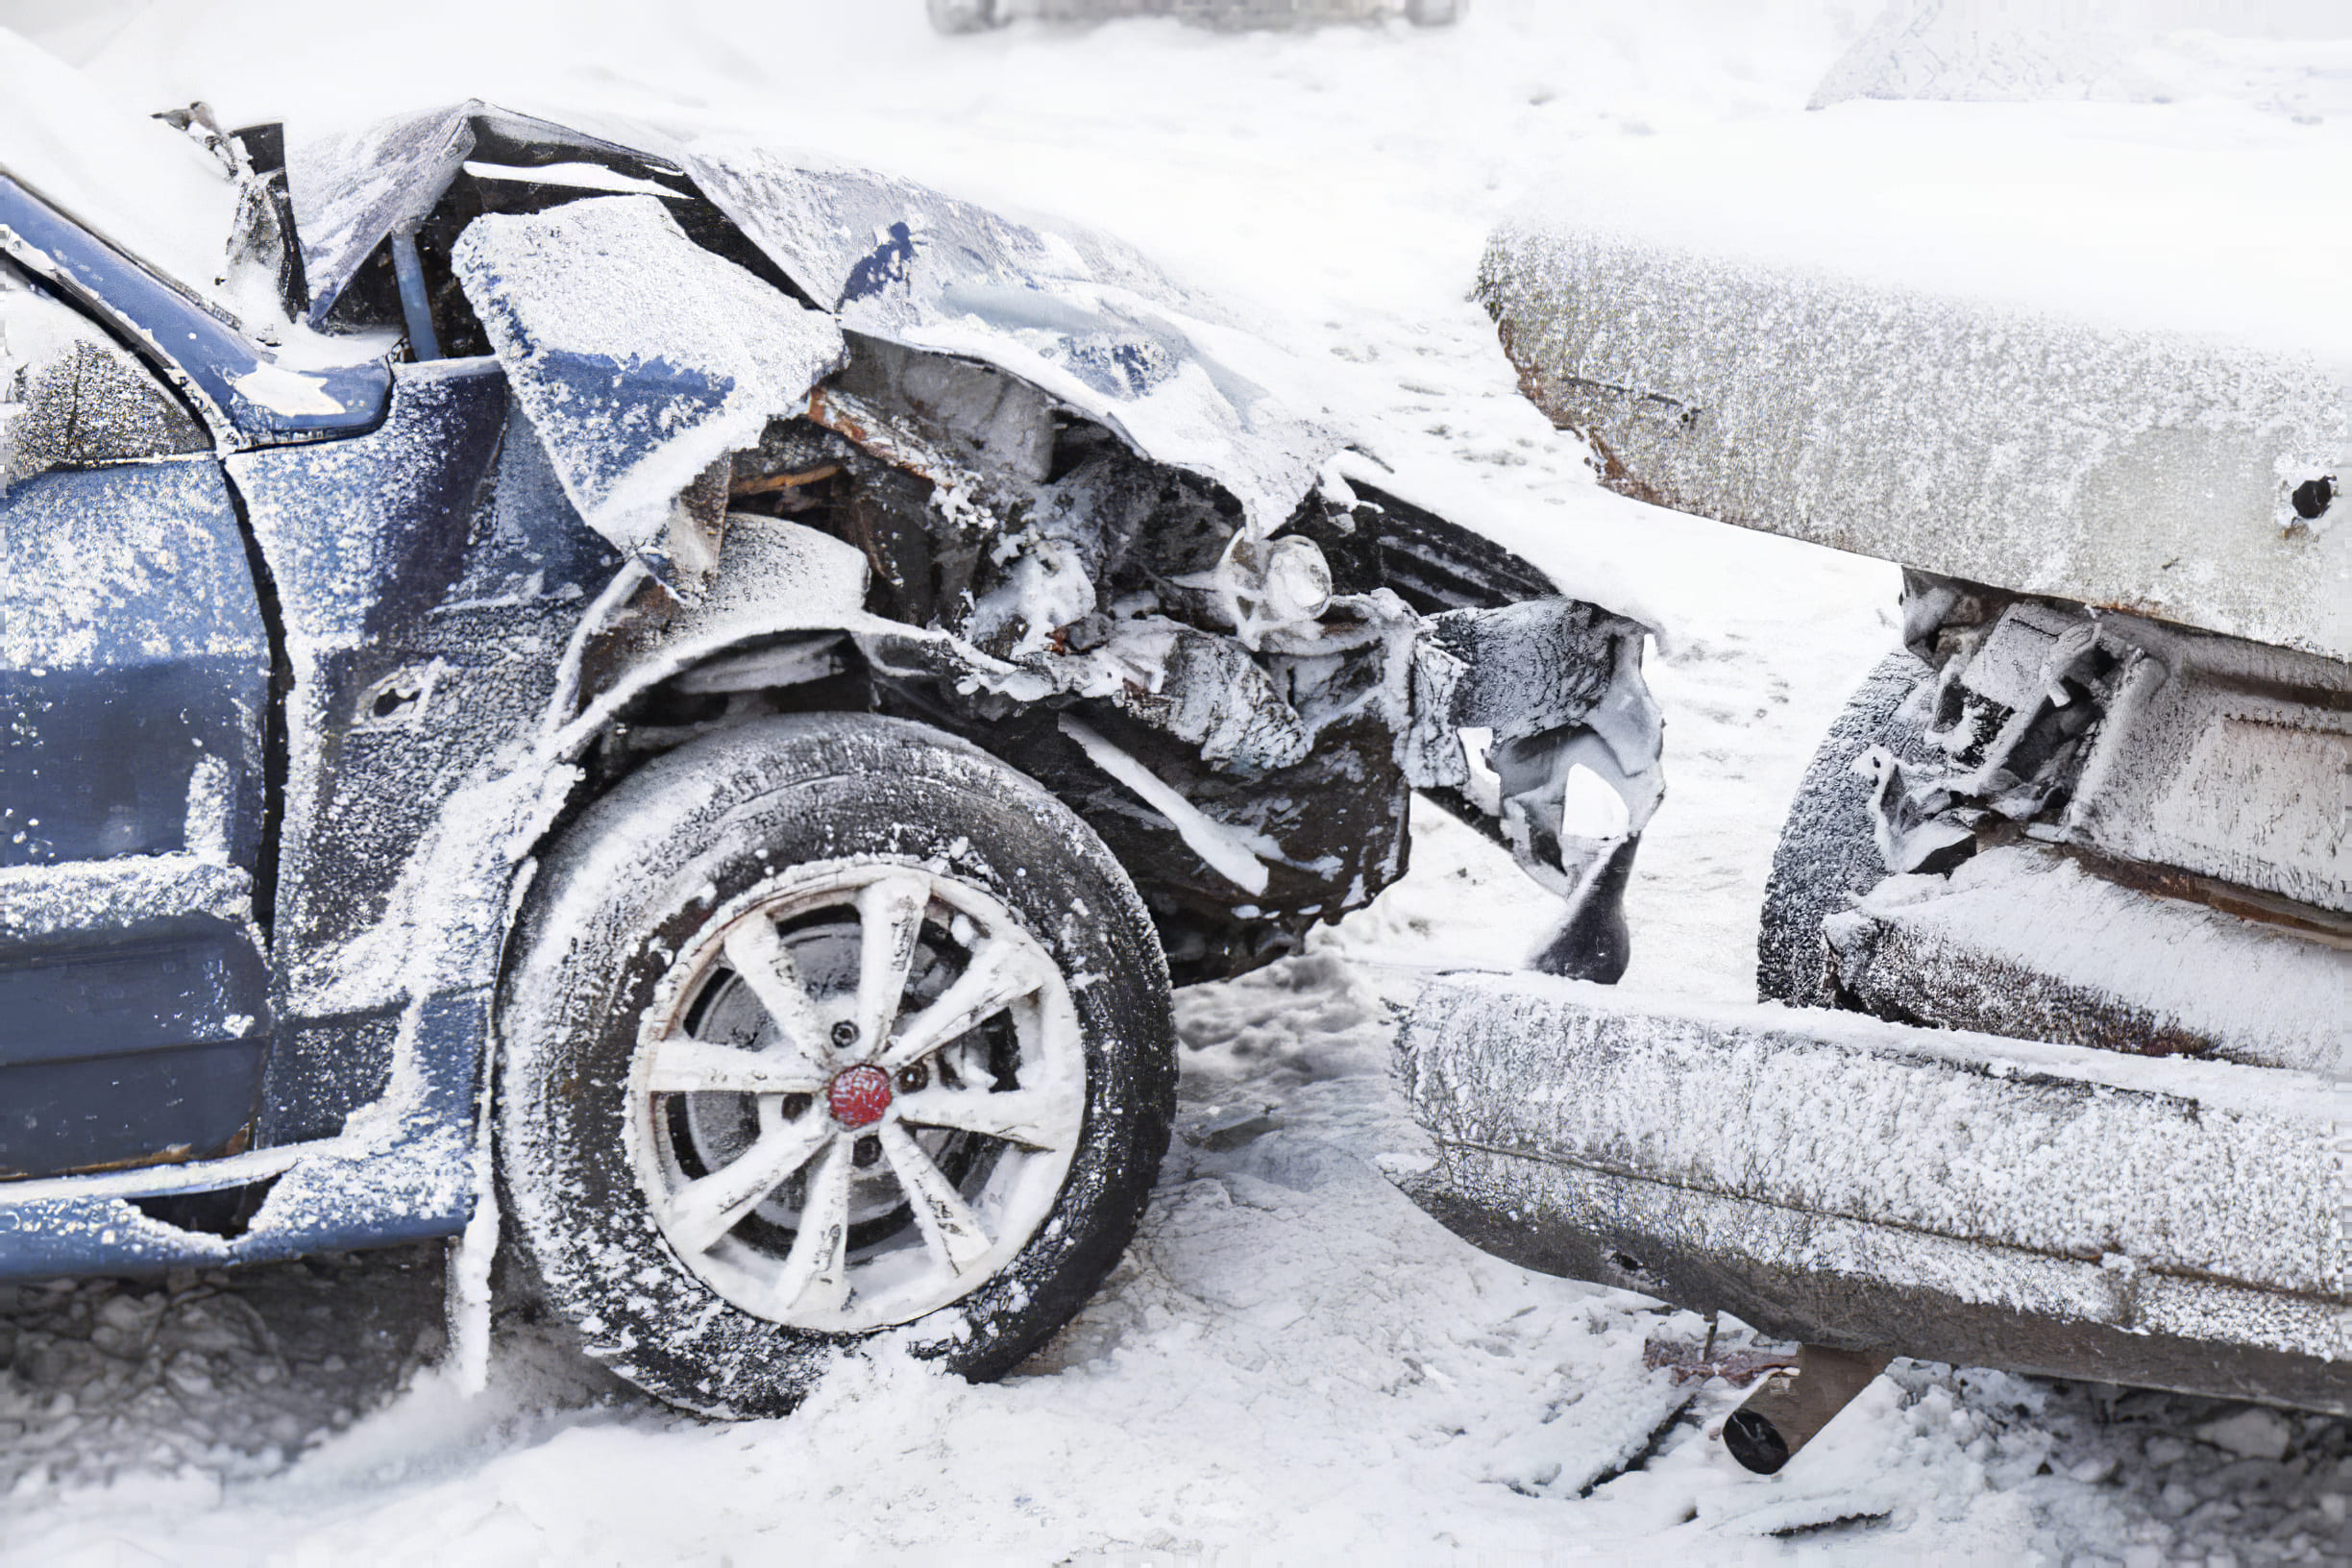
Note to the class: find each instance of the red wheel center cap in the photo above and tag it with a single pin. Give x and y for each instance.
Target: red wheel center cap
(858, 1096)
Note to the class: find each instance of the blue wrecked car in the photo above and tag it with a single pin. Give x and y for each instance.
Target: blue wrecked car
(677, 709)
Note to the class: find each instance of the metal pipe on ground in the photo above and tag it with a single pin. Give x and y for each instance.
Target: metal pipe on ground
(1785, 1412)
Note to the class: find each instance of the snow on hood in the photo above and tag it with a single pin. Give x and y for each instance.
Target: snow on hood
(1087, 321)
(641, 357)
(1081, 317)
(128, 176)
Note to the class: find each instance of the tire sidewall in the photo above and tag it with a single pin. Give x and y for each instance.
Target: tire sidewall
(642, 874)
(1827, 854)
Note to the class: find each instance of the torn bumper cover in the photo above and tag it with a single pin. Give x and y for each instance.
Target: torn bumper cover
(1845, 1182)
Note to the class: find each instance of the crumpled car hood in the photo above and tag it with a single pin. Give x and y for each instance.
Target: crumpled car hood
(1086, 320)
(634, 391)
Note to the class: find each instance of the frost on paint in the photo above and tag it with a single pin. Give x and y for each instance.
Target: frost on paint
(636, 386)
(68, 396)
(1831, 1177)
(2150, 471)
(2086, 395)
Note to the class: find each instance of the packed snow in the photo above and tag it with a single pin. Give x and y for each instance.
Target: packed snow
(1293, 1363)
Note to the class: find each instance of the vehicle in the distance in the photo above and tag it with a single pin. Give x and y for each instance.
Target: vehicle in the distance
(978, 15)
(692, 698)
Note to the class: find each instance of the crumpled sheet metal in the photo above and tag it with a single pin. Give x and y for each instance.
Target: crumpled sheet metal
(2137, 470)
(1083, 318)
(352, 188)
(641, 357)
(1087, 321)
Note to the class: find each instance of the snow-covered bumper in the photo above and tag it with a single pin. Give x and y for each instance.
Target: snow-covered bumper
(1845, 1182)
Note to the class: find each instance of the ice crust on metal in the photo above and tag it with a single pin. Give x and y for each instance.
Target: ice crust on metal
(1969, 341)
(2146, 471)
(641, 357)
(2171, 1198)
(2021, 939)
(1085, 319)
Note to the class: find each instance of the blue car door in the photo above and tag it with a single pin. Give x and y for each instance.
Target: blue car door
(135, 672)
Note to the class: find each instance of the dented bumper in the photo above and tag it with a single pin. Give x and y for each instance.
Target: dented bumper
(1840, 1180)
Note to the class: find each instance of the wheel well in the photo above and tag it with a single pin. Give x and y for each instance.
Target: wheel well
(800, 671)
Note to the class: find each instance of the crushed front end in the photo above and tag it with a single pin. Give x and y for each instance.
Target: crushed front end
(1097, 537)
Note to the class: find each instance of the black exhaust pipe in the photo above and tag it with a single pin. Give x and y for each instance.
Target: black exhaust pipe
(1783, 1413)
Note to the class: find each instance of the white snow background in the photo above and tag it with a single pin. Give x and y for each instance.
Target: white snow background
(1293, 1365)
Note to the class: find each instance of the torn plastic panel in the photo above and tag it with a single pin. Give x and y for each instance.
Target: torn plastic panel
(2122, 737)
(641, 359)
(2069, 763)
(1576, 741)
(991, 607)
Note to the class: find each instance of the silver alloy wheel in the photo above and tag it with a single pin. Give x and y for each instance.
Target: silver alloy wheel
(856, 1094)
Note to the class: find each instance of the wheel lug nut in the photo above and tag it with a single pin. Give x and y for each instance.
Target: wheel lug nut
(844, 1035)
(867, 1151)
(795, 1106)
(913, 1077)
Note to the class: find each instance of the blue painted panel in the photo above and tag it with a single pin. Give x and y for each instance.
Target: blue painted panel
(188, 1102)
(419, 1187)
(208, 357)
(189, 981)
(133, 678)
(132, 654)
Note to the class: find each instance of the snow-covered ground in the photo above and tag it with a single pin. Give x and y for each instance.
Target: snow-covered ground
(1293, 1365)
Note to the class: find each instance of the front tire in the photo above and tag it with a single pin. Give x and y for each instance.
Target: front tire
(823, 1027)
